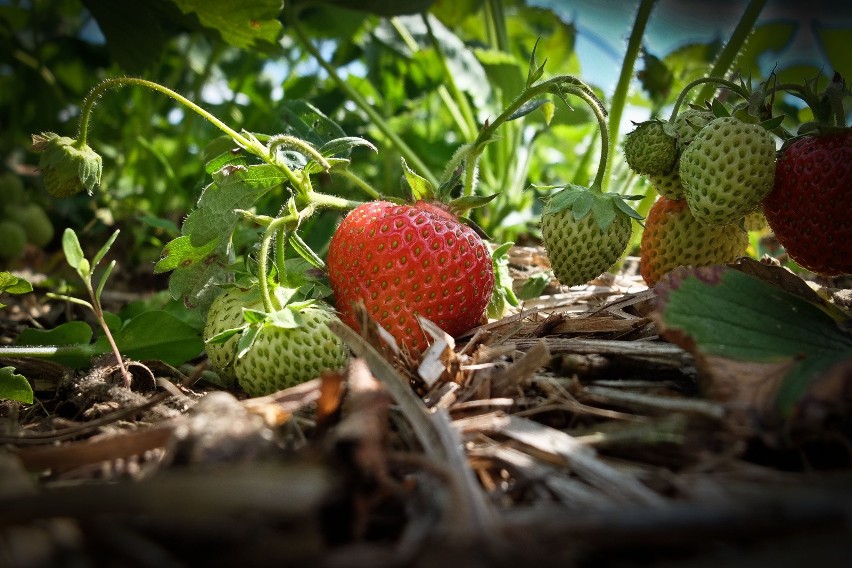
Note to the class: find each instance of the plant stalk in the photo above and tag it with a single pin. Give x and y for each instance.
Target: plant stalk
(619, 97)
(735, 43)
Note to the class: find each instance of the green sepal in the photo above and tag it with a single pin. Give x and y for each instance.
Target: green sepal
(68, 167)
(462, 205)
(581, 201)
(419, 187)
(303, 250)
(502, 295)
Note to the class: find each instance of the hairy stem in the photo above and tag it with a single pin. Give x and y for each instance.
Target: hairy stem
(735, 43)
(715, 80)
(619, 97)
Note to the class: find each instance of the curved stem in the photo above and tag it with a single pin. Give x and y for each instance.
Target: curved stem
(717, 80)
(101, 88)
(363, 185)
(619, 97)
(561, 85)
(732, 48)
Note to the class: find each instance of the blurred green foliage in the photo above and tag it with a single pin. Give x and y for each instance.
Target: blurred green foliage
(435, 70)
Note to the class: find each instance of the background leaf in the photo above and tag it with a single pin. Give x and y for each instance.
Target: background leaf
(14, 386)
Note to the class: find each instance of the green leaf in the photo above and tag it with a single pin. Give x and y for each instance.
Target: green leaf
(343, 146)
(535, 285)
(221, 152)
(604, 212)
(420, 186)
(13, 285)
(74, 252)
(801, 377)
(14, 386)
(734, 315)
(385, 8)
(68, 333)
(286, 318)
(529, 107)
(156, 335)
(104, 249)
(254, 316)
(502, 296)
(247, 339)
(303, 120)
(583, 204)
(245, 24)
(835, 42)
(181, 253)
(303, 250)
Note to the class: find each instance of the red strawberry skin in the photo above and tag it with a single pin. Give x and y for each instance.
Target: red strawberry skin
(809, 208)
(404, 260)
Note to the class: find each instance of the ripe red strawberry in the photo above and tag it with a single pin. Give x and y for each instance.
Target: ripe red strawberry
(809, 207)
(673, 237)
(405, 260)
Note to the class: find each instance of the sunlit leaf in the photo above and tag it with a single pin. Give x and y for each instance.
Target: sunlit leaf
(245, 24)
(14, 386)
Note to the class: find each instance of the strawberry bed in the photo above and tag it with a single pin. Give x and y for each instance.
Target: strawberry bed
(565, 433)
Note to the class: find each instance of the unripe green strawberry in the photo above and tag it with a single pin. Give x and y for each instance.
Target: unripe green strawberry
(727, 170)
(585, 232)
(13, 239)
(673, 237)
(667, 185)
(755, 221)
(11, 189)
(67, 166)
(687, 124)
(226, 312)
(281, 357)
(36, 223)
(651, 148)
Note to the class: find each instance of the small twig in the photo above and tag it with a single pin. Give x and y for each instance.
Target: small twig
(692, 406)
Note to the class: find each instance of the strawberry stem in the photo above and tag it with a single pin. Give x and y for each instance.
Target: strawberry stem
(735, 88)
(248, 144)
(726, 57)
(561, 85)
(619, 97)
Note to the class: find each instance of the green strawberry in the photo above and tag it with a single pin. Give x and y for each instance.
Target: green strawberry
(585, 232)
(36, 223)
(285, 353)
(68, 167)
(226, 312)
(687, 124)
(673, 237)
(11, 189)
(651, 148)
(13, 239)
(727, 170)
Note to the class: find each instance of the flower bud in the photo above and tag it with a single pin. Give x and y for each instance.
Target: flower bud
(67, 166)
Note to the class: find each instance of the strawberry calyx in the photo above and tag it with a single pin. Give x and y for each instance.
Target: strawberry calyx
(582, 201)
(69, 166)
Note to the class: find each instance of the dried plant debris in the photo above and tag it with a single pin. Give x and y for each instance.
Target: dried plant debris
(603, 423)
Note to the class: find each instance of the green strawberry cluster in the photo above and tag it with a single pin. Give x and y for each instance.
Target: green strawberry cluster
(267, 352)
(723, 168)
(21, 221)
